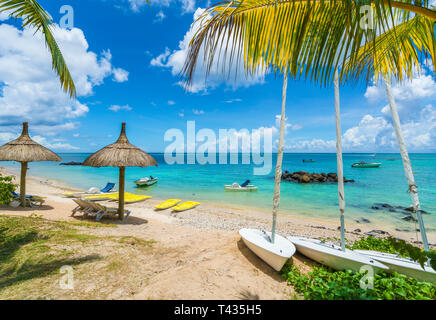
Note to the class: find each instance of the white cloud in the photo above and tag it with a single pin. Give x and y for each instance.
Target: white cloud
(160, 16)
(186, 5)
(174, 61)
(4, 16)
(31, 89)
(233, 100)
(171, 102)
(197, 112)
(375, 133)
(314, 145)
(55, 146)
(120, 75)
(116, 108)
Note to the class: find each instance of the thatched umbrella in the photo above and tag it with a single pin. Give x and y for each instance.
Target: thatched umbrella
(120, 154)
(25, 150)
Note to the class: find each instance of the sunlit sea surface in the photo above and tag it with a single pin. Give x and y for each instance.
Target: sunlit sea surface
(386, 184)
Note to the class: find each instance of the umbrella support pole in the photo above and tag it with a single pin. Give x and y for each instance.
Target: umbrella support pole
(121, 193)
(23, 184)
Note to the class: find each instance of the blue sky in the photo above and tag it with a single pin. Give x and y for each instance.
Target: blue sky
(125, 57)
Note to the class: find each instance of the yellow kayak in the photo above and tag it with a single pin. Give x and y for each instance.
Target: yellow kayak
(186, 206)
(101, 197)
(135, 198)
(167, 204)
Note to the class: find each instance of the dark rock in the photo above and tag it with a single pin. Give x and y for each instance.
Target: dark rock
(409, 218)
(375, 208)
(374, 233)
(305, 177)
(357, 230)
(72, 163)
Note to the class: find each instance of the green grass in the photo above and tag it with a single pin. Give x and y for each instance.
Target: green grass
(33, 248)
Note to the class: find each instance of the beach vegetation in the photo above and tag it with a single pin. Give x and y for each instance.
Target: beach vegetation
(393, 245)
(6, 189)
(323, 283)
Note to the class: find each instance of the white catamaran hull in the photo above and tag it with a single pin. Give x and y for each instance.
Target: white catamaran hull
(275, 254)
(402, 265)
(332, 255)
(248, 188)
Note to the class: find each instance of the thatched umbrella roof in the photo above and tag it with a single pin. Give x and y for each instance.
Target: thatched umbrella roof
(24, 149)
(120, 154)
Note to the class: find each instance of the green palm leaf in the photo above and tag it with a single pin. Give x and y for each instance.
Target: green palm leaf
(35, 16)
(304, 38)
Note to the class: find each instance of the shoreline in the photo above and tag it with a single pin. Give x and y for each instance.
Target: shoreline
(229, 217)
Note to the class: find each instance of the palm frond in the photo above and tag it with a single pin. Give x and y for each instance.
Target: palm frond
(304, 38)
(33, 15)
(404, 47)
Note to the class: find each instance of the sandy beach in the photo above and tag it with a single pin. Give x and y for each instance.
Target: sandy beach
(197, 254)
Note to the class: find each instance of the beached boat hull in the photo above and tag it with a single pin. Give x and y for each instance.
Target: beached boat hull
(402, 265)
(143, 183)
(333, 257)
(274, 254)
(366, 165)
(248, 188)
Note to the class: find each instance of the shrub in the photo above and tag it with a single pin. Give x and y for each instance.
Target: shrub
(323, 283)
(6, 189)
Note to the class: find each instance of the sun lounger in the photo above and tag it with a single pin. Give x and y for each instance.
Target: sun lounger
(31, 199)
(110, 212)
(107, 189)
(82, 206)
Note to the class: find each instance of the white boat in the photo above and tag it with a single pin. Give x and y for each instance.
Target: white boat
(275, 254)
(405, 266)
(238, 188)
(145, 181)
(333, 256)
(364, 164)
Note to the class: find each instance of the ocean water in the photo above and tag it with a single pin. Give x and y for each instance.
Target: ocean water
(386, 184)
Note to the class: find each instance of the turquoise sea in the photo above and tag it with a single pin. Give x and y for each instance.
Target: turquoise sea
(386, 184)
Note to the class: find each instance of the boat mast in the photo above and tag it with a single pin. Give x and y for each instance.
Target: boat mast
(413, 189)
(278, 174)
(340, 165)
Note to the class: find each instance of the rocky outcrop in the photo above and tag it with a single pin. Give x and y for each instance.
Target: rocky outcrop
(306, 177)
(400, 209)
(72, 163)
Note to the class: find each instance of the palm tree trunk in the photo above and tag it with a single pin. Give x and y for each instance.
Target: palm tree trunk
(121, 193)
(23, 184)
(278, 174)
(413, 189)
(340, 164)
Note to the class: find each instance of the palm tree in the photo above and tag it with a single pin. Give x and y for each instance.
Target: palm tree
(311, 39)
(33, 15)
(418, 32)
